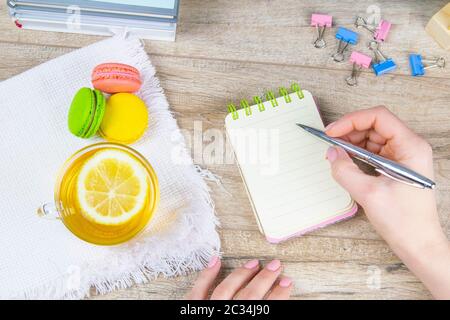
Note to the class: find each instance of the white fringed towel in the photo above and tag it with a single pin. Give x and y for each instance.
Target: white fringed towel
(41, 258)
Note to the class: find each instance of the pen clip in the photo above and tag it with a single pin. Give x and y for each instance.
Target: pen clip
(396, 177)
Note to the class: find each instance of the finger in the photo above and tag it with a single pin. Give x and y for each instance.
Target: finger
(362, 144)
(361, 139)
(228, 288)
(356, 142)
(348, 175)
(366, 138)
(357, 137)
(384, 122)
(376, 137)
(205, 280)
(260, 285)
(373, 147)
(282, 290)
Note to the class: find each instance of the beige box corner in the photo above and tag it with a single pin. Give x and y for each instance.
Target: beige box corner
(439, 27)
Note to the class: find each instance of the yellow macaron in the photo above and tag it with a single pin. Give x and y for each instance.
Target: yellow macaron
(125, 119)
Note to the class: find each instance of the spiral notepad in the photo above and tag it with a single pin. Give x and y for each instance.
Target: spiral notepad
(287, 177)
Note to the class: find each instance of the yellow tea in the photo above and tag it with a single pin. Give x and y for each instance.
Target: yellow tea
(106, 194)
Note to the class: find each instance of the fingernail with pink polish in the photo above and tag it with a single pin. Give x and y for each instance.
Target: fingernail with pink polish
(213, 262)
(251, 264)
(274, 265)
(285, 282)
(332, 154)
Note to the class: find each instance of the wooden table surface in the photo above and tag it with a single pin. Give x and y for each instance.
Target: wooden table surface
(232, 49)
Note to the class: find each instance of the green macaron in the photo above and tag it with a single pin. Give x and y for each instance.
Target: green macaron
(86, 112)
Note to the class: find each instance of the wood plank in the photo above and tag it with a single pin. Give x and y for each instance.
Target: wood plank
(314, 280)
(269, 32)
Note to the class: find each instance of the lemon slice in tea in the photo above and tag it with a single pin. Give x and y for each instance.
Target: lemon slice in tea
(112, 187)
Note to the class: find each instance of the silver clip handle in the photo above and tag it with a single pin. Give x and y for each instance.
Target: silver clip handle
(434, 63)
(378, 55)
(361, 22)
(320, 41)
(339, 55)
(353, 79)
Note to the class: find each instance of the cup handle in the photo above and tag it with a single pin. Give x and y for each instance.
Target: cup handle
(48, 211)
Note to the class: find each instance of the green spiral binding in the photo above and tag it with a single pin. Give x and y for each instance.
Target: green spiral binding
(296, 88)
(233, 111)
(260, 103)
(271, 97)
(246, 107)
(283, 92)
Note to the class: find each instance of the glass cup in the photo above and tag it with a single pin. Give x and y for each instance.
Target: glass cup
(67, 207)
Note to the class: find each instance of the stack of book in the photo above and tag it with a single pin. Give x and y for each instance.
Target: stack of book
(147, 19)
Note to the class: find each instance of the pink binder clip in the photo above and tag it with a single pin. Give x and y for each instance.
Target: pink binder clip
(379, 33)
(382, 30)
(359, 61)
(320, 21)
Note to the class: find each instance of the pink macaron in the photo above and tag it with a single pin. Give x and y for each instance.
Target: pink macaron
(116, 78)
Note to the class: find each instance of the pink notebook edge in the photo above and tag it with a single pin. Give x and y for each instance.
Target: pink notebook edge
(323, 224)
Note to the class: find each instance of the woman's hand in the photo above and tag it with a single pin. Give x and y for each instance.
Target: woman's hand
(406, 217)
(248, 282)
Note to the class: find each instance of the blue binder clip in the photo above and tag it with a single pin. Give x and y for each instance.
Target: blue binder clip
(417, 67)
(381, 64)
(345, 37)
(419, 64)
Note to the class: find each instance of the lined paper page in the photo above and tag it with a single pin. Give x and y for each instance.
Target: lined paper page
(284, 168)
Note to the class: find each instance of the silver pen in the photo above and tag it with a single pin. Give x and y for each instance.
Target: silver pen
(382, 165)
